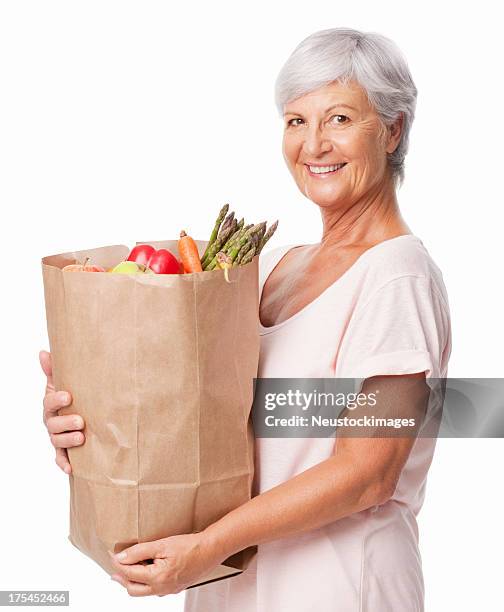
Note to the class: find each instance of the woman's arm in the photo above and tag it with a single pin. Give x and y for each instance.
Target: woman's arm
(363, 473)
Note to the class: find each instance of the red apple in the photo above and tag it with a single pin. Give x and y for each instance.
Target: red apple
(141, 253)
(161, 261)
(164, 262)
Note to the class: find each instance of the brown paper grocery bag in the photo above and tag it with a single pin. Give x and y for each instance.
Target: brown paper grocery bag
(161, 368)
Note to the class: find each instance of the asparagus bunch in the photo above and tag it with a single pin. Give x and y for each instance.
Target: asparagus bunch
(232, 243)
(215, 231)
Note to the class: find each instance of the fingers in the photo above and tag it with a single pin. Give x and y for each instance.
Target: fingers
(60, 424)
(67, 440)
(137, 553)
(135, 589)
(62, 460)
(135, 573)
(54, 401)
(46, 364)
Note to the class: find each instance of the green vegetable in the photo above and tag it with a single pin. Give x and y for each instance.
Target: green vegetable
(234, 239)
(249, 255)
(232, 243)
(238, 244)
(246, 247)
(215, 231)
(227, 222)
(234, 234)
(224, 263)
(222, 237)
(267, 236)
(216, 247)
(243, 239)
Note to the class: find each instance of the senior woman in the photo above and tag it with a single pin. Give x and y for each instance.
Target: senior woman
(334, 521)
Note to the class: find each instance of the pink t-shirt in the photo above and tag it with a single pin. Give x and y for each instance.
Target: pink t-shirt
(388, 314)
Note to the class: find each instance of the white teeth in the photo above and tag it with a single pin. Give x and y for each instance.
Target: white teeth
(324, 169)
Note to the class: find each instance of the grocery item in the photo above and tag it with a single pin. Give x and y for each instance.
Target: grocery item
(270, 231)
(164, 261)
(215, 231)
(85, 267)
(217, 245)
(141, 254)
(169, 442)
(160, 261)
(248, 255)
(130, 267)
(224, 262)
(235, 239)
(189, 255)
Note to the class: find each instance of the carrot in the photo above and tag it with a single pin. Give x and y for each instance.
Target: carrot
(189, 255)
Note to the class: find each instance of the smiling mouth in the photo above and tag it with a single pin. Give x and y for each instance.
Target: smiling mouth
(325, 170)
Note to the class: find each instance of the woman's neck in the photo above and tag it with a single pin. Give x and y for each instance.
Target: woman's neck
(373, 218)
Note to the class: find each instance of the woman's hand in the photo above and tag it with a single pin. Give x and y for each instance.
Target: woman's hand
(64, 431)
(179, 561)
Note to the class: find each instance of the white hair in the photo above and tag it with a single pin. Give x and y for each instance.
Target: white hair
(372, 60)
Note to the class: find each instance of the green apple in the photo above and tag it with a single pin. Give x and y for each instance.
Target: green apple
(131, 267)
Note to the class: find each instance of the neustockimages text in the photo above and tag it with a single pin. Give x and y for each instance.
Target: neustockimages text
(319, 421)
(301, 400)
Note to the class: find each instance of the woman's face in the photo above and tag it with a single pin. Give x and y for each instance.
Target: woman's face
(335, 144)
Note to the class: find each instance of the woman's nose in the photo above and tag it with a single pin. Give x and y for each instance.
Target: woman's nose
(316, 143)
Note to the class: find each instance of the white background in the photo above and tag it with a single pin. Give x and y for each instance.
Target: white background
(125, 121)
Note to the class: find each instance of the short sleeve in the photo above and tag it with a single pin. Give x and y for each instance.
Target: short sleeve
(402, 328)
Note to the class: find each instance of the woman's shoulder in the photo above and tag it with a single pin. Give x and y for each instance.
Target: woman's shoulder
(402, 257)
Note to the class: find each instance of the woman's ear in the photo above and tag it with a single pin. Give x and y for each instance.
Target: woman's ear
(394, 136)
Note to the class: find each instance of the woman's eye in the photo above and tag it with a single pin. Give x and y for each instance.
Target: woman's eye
(339, 119)
(294, 122)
